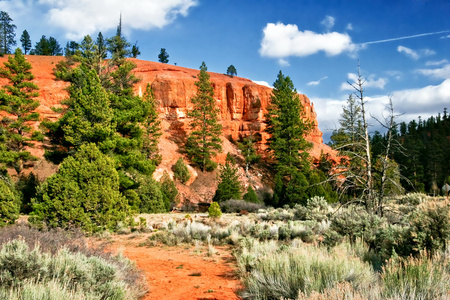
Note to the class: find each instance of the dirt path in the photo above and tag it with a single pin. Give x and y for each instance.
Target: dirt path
(183, 272)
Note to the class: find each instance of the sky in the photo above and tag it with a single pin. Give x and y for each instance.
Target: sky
(402, 46)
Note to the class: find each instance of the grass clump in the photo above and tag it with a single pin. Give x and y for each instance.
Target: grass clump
(68, 268)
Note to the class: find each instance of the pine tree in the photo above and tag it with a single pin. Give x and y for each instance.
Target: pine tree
(163, 56)
(229, 186)
(83, 193)
(26, 42)
(48, 47)
(7, 33)
(121, 77)
(17, 101)
(152, 127)
(231, 71)
(204, 140)
(248, 150)
(287, 125)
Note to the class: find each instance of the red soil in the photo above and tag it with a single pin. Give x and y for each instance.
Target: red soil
(184, 273)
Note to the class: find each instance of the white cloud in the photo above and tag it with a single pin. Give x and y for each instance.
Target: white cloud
(427, 52)
(281, 41)
(410, 104)
(317, 82)
(440, 73)
(408, 52)
(445, 37)
(428, 100)
(328, 22)
(349, 26)
(370, 82)
(264, 83)
(436, 63)
(394, 73)
(82, 17)
(284, 63)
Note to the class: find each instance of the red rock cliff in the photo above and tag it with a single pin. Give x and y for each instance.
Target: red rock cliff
(242, 102)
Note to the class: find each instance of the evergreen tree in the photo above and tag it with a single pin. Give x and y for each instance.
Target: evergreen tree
(7, 33)
(248, 150)
(83, 193)
(287, 126)
(48, 47)
(229, 186)
(169, 190)
(151, 196)
(17, 101)
(152, 127)
(9, 201)
(204, 140)
(163, 56)
(135, 51)
(26, 42)
(251, 195)
(231, 71)
(71, 48)
(102, 49)
(88, 118)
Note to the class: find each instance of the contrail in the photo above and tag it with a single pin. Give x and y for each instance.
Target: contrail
(404, 37)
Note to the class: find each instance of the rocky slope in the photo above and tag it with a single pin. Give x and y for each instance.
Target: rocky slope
(242, 103)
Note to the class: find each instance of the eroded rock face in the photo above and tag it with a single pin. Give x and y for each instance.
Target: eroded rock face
(242, 102)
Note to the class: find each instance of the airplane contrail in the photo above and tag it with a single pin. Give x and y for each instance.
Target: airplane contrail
(404, 37)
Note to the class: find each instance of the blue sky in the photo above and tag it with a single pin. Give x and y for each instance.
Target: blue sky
(403, 46)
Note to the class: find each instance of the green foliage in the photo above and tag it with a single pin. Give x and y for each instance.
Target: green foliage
(181, 171)
(152, 126)
(27, 186)
(214, 210)
(7, 35)
(151, 196)
(248, 149)
(32, 274)
(17, 100)
(169, 190)
(9, 202)
(25, 41)
(163, 56)
(229, 186)
(287, 126)
(251, 195)
(416, 278)
(83, 193)
(204, 139)
(48, 47)
(231, 71)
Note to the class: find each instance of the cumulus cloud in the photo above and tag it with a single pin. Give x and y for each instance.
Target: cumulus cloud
(408, 52)
(317, 82)
(439, 73)
(349, 26)
(410, 104)
(328, 22)
(280, 41)
(81, 17)
(369, 82)
(264, 83)
(284, 63)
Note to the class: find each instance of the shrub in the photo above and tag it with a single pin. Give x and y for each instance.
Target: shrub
(214, 210)
(9, 202)
(169, 190)
(416, 278)
(84, 192)
(181, 171)
(151, 196)
(93, 277)
(355, 222)
(430, 227)
(274, 272)
(251, 195)
(236, 206)
(316, 209)
(56, 263)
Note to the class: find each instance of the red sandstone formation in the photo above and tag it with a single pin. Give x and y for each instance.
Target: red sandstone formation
(242, 102)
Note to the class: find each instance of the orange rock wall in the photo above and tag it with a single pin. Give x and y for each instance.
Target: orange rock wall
(242, 102)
